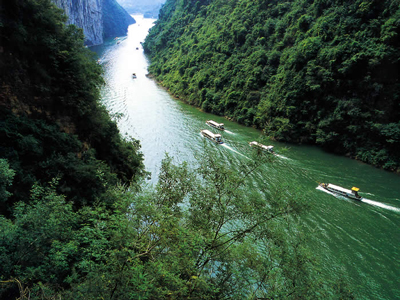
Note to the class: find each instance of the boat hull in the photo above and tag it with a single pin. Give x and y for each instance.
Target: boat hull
(269, 149)
(216, 138)
(341, 191)
(219, 126)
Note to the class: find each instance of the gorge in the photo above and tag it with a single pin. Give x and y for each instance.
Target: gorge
(358, 239)
(309, 72)
(80, 216)
(99, 19)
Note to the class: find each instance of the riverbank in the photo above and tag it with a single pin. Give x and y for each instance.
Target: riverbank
(272, 138)
(357, 236)
(259, 76)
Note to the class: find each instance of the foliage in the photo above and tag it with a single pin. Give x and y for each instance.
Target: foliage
(51, 121)
(198, 234)
(6, 177)
(115, 19)
(323, 72)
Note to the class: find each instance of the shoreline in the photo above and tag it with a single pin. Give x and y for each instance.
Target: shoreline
(347, 155)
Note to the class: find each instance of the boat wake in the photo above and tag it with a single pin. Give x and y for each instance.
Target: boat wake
(320, 188)
(364, 200)
(230, 148)
(281, 156)
(379, 204)
(230, 132)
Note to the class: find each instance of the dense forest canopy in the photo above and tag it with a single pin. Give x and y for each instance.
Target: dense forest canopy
(323, 72)
(52, 123)
(78, 222)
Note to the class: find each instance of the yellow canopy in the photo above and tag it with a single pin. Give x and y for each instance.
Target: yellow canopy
(355, 189)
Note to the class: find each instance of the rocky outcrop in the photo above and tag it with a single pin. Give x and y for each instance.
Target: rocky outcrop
(86, 14)
(99, 19)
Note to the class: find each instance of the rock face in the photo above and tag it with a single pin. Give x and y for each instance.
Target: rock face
(86, 14)
(99, 19)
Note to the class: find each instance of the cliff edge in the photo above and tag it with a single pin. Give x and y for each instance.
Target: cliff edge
(99, 19)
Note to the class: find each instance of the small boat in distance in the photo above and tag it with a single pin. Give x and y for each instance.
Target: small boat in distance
(134, 75)
(216, 138)
(352, 194)
(262, 147)
(214, 124)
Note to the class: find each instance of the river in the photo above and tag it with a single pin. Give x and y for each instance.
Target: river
(362, 237)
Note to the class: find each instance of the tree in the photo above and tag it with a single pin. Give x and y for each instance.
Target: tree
(200, 233)
(311, 62)
(6, 177)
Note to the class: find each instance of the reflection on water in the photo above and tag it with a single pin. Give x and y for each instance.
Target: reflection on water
(364, 239)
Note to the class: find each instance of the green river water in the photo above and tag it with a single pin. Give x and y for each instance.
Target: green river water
(362, 238)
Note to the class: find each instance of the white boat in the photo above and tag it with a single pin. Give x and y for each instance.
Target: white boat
(262, 147)
(216, 138)
(352, 194)
(214, 124)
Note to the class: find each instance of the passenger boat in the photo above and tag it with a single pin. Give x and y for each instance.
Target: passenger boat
(352, 194)
(262, 147)
(214, 124)
(216, 138)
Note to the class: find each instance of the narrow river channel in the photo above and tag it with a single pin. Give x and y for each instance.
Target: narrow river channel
(362, 237)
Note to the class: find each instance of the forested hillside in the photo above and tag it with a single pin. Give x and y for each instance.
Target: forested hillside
(55, 136)
(77, 221)
(52, 124)
(322, 72)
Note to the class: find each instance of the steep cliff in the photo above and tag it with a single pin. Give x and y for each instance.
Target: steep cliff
(52, 124)
(86, 14)
(98, 18)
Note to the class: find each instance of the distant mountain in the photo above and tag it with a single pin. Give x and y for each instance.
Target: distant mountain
(99, 19)
(149, 8)
(115, 19)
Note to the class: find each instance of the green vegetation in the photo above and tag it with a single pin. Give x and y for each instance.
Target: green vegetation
(198, 234)
(51, 121)
(323, 71)
(115, 19)
(78, 222)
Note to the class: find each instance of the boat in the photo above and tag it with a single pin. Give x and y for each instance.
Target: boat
(134, 75)
(262, 147)
(214, 124)
(352, 194)
(216, 138)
